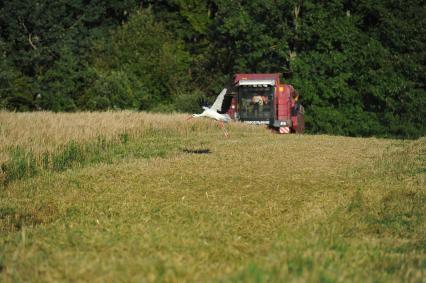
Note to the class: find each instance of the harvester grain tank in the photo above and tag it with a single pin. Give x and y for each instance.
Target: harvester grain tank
(262, 99)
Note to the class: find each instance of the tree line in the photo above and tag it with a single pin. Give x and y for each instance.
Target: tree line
(358, 64)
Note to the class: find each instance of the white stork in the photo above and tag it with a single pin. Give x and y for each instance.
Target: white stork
(213, 114)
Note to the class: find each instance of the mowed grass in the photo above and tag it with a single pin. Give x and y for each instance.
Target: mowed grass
(125, 196)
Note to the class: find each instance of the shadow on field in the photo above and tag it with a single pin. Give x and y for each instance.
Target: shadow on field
(197, 151)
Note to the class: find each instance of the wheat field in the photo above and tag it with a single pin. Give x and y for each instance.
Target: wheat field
(143, 197)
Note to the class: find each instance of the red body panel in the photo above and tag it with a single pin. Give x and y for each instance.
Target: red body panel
(283, 102)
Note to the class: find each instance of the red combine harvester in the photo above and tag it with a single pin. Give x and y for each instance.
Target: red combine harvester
(261, 99)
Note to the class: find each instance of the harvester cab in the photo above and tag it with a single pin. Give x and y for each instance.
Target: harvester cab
(261, 99)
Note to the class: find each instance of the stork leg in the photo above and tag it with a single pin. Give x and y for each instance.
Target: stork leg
(222, 125)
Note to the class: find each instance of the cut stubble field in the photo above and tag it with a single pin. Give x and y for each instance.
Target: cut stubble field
(123, 196)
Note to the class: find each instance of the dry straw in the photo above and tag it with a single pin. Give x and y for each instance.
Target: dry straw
(255, 207)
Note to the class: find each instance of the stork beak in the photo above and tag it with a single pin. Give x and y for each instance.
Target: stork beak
(189, 118)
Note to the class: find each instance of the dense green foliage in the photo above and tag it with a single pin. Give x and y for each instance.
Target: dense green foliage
(360, 65)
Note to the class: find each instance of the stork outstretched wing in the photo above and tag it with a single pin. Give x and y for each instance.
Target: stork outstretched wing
(217, 105)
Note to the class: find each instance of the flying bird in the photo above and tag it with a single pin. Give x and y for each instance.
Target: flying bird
(213, 113)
